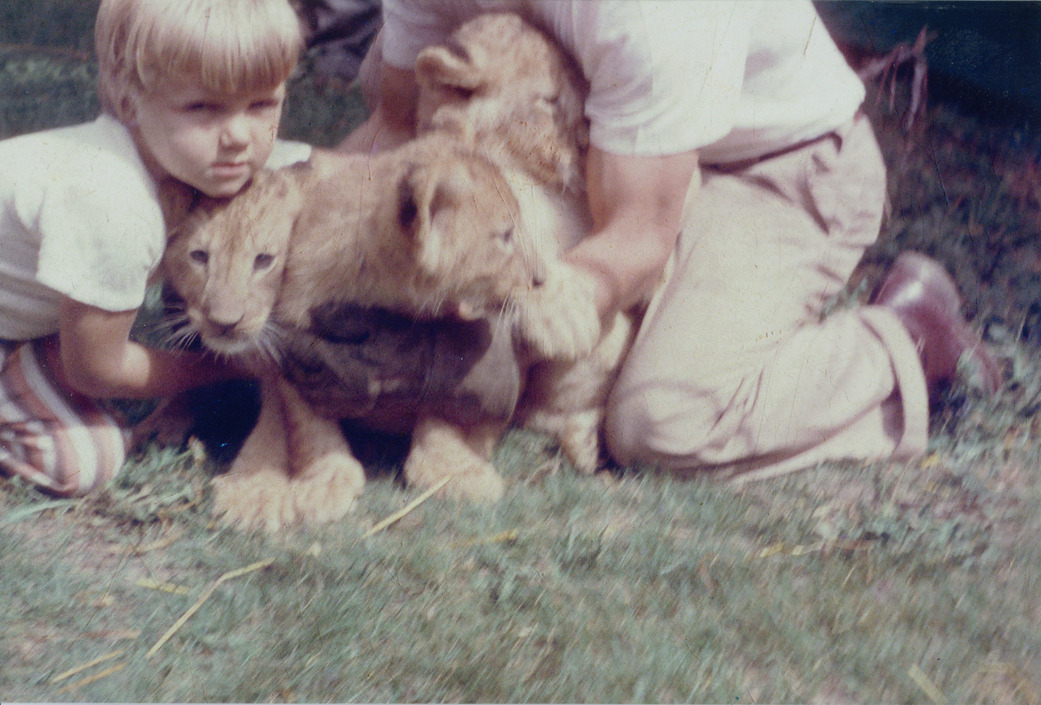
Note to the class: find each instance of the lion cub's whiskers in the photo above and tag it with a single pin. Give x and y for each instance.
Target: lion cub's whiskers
(508, 311)
(271, 341)
(432, 307)
(178, 332)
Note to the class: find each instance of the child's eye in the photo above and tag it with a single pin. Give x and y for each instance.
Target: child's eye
(202, 107)
(266, 104)
(263, 261)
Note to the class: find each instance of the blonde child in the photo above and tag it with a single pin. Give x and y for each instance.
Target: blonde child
(192, 93)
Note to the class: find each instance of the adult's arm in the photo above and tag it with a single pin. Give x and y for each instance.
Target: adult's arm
(392, 121)
(637, 206)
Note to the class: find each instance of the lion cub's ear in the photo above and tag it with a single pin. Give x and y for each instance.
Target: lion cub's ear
(292, 182)
(450, 66)
(424, 192)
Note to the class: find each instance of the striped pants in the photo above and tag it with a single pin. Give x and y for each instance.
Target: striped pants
(66, 444)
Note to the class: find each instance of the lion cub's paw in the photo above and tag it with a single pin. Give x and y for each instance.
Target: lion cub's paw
(580, 441)
(558, 319)
(440, 449)
(326, 490)
(477, 485)
(252, 500)
(577, 432)
(474, 480)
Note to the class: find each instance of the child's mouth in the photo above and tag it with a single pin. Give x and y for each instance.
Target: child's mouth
(230, 170)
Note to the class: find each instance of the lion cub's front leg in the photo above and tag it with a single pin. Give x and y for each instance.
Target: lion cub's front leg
(326, 479)
(566, 399)
(440, 449)
(253, 493)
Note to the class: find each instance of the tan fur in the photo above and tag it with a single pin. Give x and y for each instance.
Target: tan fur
(524, 108)
(331, 230)
(516, 89)
(504, 81)
(429, 229)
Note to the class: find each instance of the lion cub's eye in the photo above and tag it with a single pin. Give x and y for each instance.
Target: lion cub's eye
(263, 261)
(199, 256)
(461, 93)
(454, 91)
(506, 236)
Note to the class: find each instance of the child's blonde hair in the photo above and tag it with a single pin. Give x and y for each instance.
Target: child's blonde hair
(227, 46)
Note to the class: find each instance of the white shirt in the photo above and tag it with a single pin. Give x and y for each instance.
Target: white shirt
(733, 80)
(80, 217)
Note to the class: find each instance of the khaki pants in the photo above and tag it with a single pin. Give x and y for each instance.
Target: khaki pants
(733, 368)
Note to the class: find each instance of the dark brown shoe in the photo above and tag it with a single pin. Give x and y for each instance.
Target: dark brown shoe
(921, 293)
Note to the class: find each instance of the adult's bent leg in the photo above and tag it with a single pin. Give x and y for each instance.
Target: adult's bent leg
(733, 368)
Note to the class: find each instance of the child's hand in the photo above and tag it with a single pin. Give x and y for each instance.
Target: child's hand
(559, 319)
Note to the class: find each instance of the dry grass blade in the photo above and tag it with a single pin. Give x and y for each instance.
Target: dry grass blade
(114, 634)
(398, 515)
(791, 550)
(202, 600)
(90, 679)
(90, 664)
(926, 684)
(162, 587)
(22, 513)
(165, 541)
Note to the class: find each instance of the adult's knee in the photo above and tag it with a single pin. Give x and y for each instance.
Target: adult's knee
(671, 426)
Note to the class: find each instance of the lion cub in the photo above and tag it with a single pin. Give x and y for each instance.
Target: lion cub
(430, 229)
(506, 83)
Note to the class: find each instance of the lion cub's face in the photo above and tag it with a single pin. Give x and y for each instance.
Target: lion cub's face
(499, 75)
(457, 238)
(227, 258)
(434, 235)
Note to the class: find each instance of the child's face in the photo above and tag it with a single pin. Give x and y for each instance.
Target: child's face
(214, 142)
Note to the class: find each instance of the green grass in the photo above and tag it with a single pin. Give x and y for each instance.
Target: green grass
(849, 582)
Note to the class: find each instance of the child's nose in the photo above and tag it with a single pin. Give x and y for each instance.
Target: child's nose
(235, 131)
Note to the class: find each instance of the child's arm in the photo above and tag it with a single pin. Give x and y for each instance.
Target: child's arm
(96, 357)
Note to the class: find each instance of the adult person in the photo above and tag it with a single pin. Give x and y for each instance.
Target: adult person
(730, 136)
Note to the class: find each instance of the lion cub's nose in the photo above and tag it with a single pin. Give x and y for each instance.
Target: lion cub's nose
(224, 326)
(226, 329)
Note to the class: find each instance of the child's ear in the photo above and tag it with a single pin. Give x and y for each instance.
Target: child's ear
(176, 200)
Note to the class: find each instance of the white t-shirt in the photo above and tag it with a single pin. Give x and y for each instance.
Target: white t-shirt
(733, 80)
(80, 217)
